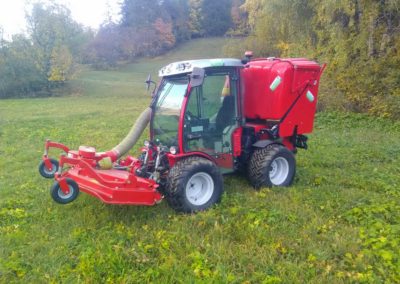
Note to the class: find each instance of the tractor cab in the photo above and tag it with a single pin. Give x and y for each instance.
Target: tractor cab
(196, 109)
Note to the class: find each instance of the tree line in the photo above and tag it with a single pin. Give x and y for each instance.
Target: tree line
(151, 27)
(358, 39)
(38, 63)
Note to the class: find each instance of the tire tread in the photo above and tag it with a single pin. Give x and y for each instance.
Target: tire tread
(178, 175)
(261, 159)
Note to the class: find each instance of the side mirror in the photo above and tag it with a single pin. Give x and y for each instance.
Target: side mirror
(197, 77)
(149, 82)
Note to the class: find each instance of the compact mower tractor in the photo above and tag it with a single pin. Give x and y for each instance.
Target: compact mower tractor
(207, 118)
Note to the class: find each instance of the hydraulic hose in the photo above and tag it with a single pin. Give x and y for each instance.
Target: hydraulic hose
(129, 141)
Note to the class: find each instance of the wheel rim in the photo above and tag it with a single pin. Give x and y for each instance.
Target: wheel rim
(279, 171)
(50, 172)
(62, 195)
(199, 188)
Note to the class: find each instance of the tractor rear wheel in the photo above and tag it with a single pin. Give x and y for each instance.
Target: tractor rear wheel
(194, 184)
(274, 165)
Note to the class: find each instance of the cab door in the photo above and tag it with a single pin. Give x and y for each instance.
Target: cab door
(210, 117)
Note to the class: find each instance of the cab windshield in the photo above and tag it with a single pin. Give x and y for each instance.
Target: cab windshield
(168, 108)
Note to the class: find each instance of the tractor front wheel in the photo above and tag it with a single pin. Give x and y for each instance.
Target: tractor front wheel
(64, 197)
(274, 165)
(194, 184)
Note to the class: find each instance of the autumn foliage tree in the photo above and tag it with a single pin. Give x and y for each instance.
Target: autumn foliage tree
(145, 29)
(164, 34)
(151, 27)
(359, 40)
(36, 63)
(56, 38)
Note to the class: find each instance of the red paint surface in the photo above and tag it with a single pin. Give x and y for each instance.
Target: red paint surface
(297, 77)
(110, 186)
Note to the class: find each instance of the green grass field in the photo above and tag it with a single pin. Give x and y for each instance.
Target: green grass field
(338, 223)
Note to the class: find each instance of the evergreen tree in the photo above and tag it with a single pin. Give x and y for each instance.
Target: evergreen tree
(216, 17)
(196, 18)
(139, 13)
(178, 13)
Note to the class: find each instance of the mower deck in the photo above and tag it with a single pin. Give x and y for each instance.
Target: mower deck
(115, 186)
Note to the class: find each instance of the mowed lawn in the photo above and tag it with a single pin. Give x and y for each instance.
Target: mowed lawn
(338, 223)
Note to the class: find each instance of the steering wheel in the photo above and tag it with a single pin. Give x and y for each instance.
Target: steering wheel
(191, 117)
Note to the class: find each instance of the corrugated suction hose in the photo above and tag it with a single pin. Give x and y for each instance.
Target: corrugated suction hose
(129, 141)
(134, 134)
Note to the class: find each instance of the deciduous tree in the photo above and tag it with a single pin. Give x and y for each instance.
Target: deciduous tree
(360, 41)
(56, 39)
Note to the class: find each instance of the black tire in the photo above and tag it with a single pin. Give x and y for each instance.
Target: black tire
(205, 188)
(59, 197)
(274, 165)
(45, 172)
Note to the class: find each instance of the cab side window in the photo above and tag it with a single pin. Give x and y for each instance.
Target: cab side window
(211, 110)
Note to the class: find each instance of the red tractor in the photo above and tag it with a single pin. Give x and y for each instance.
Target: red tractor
(207, 118)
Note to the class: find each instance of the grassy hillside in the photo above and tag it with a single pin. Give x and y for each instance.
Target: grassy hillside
(338, 223)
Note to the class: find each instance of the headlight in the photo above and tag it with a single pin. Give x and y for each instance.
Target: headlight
(146, 143)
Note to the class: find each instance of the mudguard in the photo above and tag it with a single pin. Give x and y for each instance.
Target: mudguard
(265, 143)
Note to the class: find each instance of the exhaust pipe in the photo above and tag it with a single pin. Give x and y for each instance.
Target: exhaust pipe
(129, 141)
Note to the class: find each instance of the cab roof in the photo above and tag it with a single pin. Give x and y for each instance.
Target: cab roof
(182, 67)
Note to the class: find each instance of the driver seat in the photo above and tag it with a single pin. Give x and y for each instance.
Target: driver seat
(225, 114)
